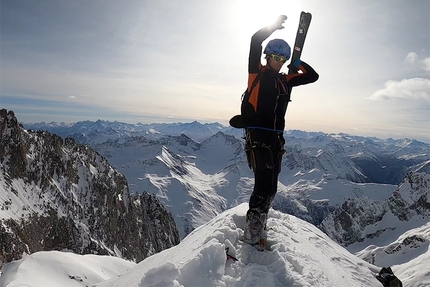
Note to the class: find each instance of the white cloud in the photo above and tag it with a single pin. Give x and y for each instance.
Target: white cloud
(426, 63)
(413, 60)
(411, 89)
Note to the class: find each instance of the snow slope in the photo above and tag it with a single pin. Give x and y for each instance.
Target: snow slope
(409, 255)
(54, 268)
(299, 255)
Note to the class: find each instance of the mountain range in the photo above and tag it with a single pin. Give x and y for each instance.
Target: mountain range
(199, 170)
(369, 195)
(56, 194)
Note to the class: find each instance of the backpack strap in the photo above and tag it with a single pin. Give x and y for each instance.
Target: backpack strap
(239, 121)
(253, 84)
(255, 81)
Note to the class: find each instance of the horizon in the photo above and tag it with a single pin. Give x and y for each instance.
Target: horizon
(187, 60)
(192, 121)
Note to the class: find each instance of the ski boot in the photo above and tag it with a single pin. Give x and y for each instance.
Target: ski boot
(254, 231)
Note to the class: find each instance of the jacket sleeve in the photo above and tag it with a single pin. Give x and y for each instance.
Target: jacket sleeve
(308, 75)
(255, 50)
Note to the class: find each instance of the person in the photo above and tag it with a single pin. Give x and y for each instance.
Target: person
(268, 98)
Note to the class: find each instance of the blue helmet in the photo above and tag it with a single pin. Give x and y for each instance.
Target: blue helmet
(279, 47)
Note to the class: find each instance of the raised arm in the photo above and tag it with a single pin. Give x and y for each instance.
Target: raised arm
(257, 40)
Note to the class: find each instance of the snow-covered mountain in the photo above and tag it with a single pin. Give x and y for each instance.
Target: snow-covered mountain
(89, 132)
(299, 254)
(380, 161)
(314, 180)
(56, 194)
(361, 191)
(362, 221)
(193, 186)
(198, 179)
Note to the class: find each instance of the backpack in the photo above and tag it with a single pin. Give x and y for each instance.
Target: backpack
(387, 278)
(246, 109)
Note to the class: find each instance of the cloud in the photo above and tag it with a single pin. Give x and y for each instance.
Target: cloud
(426, 63)
(410, 89)
(413, 59)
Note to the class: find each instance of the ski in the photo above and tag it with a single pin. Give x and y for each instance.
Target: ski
(302, 31)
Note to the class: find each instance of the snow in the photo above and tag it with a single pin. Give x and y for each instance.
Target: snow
(55, 268)
(197, 184)
(15, 202)
(298, 254)
(408, 256)
(416, 272)
(196, 180)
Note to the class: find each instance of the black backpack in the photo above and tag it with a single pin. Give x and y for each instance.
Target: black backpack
(246, 109)
(387, 278)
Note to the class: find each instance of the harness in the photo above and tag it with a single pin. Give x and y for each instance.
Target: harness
(250, 145)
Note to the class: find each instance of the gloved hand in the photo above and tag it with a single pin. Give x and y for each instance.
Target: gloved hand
(279, 22)
(297, 63)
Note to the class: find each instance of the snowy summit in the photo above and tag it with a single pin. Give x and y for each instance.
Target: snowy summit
(298, 254)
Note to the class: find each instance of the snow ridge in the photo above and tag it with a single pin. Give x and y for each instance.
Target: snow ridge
(299, 255)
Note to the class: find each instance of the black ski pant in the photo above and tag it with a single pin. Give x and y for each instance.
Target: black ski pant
(264, 149)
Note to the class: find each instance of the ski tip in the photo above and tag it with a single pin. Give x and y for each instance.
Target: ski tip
(306, 14)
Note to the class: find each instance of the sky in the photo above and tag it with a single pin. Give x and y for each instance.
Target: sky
(185, 60)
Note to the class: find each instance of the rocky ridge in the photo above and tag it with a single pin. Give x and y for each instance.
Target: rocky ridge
(56, 194)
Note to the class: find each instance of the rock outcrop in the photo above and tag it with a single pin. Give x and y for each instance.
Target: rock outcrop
(56, 194)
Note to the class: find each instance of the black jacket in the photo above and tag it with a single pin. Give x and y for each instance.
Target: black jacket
(270, 96)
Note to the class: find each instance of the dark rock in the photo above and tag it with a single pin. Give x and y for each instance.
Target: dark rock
(71, 198)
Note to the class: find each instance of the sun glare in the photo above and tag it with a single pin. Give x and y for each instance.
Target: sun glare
(251, 15)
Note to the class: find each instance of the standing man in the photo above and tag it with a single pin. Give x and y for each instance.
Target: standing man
(268, 91)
